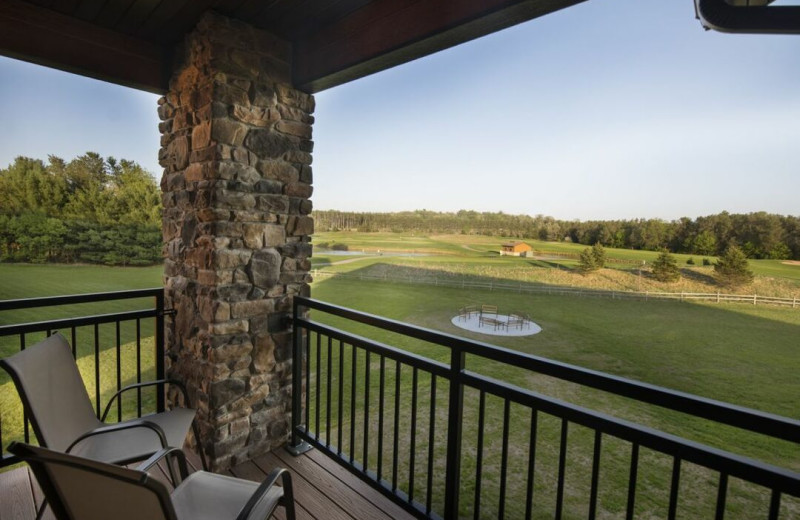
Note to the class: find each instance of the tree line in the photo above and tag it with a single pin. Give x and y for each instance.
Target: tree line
(90, 209)
(759, 235)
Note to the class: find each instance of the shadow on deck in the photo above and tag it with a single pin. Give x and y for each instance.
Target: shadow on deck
(323, 490)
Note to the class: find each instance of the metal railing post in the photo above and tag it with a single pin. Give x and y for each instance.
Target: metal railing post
(160, 350)
(454, 429)
(297, 446)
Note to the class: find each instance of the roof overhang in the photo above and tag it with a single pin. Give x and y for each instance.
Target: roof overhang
(334, 41)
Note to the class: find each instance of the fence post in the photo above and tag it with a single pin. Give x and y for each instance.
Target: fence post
(717, 296)
(794, 302)
(755, 299)
(455, 413)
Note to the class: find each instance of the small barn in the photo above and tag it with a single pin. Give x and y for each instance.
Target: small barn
(515, 249)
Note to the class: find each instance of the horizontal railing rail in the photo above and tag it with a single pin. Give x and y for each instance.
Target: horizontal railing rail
(112, 349)
(399, 421)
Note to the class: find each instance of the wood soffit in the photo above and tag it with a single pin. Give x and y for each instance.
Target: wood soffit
(129, 42)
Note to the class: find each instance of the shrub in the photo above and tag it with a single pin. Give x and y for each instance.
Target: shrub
(706, 261)
(340, 247)
(587, 263)
(690, 261)
(732, 269)
(665, 268)
(599, 255)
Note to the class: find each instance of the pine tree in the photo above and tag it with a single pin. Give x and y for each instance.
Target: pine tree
(665, 268)
(599, 255)
(732, 269)
(587, 263)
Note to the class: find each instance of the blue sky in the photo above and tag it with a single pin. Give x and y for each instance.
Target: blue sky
(610, 109)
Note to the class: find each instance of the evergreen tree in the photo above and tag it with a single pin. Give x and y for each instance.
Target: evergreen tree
(665, 268)
(732, 269)
(599, 255)
(587, 263)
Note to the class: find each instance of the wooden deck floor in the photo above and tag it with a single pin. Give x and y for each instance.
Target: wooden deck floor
(323, 490)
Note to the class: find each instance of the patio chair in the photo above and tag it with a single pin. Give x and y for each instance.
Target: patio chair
(82, 489)
(51, 389)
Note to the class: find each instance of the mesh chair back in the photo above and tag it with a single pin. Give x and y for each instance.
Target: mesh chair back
(51, 388)
(81, 489)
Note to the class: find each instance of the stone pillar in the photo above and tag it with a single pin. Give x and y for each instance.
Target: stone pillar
(236, 151)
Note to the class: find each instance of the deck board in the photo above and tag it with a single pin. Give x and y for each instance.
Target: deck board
(323, 490)
(17, 495)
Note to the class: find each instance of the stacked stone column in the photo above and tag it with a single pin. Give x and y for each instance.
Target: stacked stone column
(236, 151)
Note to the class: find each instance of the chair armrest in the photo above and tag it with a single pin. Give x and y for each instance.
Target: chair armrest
(137, 423)
(143, 385)
(165, 454)
(263, 488)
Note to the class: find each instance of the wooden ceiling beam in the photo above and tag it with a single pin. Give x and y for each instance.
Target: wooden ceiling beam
(45, 37)
(386, 33)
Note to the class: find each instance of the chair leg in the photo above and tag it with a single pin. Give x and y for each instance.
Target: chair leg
(40, 512)
(288, 496)
(199, 446)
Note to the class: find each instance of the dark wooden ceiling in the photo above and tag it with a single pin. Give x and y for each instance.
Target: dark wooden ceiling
(334, 41)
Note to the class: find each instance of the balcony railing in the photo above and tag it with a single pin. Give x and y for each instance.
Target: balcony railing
(113, 349)
(445, 441)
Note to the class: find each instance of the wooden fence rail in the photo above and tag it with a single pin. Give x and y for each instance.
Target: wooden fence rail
(529, 288)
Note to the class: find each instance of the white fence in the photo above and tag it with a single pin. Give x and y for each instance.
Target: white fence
(752, 299)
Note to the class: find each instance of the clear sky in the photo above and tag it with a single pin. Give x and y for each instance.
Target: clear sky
(609, 109)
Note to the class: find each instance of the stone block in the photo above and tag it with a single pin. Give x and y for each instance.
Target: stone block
(268, 144)
(231, 258)
(248, 309)
(223, 392)
(265, 268)
(294, 128)
(229, 327)
(299, 189)
(255, 116)
(278, 170)
(228, 131)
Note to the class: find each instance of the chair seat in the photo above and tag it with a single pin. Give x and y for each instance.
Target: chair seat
(210, 496)
(137, 443)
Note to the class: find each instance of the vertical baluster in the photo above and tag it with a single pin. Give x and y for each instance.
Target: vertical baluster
(307, 352)
(74, 339)
(562, 464)
(366, 410)
(118, 345)
(354, 369)
(328, 395)
(722, 493)
(413, 447)
(598, 438)
(97, 368)
(340, 424)
(25, 425)
(431, 442)
(531, 464)
(504, 461)
(774, 505)
(317, 386)
(632, 483)
(674, 488)
(381, 406)
(138, 366)
(396, 423)
(479, 454)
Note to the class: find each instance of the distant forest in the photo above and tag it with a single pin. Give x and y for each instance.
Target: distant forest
(90, 210)
(108, 211)
(759, 235)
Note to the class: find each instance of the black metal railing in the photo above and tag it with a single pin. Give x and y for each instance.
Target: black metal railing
(445, 441)
(112, 349)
